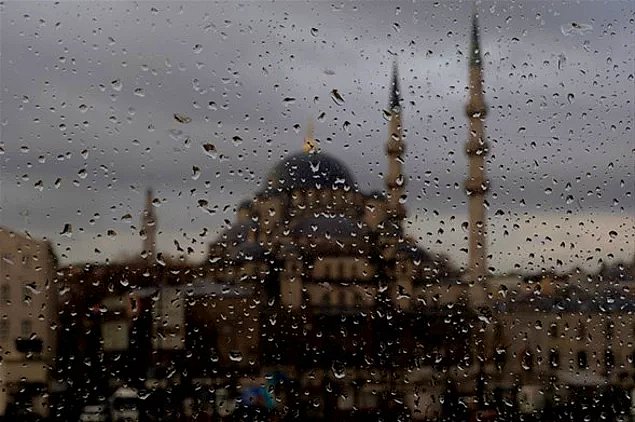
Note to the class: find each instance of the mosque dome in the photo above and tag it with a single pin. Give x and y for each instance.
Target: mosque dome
(309, 170)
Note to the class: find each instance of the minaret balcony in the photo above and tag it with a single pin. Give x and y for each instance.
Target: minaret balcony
(476, 147)
(394, 147)
(476, 109)
(476, 186)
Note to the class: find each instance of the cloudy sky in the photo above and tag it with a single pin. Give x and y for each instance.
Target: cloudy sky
(89, 91)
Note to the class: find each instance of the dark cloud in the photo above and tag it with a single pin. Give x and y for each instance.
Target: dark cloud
(89, 93)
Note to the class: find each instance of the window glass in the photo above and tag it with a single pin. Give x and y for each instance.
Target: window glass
(299, 210)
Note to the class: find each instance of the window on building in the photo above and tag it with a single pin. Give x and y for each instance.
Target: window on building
(26, 293)
(583, 360)
(341, 298)
(554, 358)
(26, 328)
(528, 360)
(326, 299)
(553, 330)
(5, 294)
(500, 357)
(358, 300)
(609, 359)
(4, 329)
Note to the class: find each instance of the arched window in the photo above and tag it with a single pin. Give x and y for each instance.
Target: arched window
(553, 330)
(341, 298)
(583, 360)
(500, 357)
(609, 359)
(342, 267)
(554, 358)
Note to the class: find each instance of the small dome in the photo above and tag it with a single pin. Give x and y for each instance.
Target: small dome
(305, 170)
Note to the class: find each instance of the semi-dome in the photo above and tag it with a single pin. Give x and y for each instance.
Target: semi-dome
(309, 170)
(333, 236)
(324, 226)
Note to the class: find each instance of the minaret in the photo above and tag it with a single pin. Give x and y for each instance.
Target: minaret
(395, 149)
(476, 184)
(149, 228)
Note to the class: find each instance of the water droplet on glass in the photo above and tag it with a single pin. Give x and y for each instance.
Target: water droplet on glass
(67, 230)
(336, 97)
(181, 118)
(116, 85)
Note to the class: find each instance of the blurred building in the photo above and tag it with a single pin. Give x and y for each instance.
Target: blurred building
(316, 304)
(568, 336)
(28, 319)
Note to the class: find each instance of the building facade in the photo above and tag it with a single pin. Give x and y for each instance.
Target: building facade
(28, 318)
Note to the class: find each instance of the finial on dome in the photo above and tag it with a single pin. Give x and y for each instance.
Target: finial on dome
(310, 143)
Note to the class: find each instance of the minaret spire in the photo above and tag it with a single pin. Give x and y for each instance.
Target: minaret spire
(475, 48)
(476, 184)
(149, 228)
(395, 92)
(395, 149)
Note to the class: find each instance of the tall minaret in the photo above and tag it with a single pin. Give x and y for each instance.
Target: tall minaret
(395, 149)
(149, 228)
(476, 184)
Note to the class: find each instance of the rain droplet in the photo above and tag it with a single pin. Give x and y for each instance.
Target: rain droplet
(235, 356)
(116, 85)
(181, 118)
(337, 98)
(338, 372)
(209, 149)
(67, 230)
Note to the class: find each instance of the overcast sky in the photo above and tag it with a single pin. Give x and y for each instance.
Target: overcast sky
(89, 90)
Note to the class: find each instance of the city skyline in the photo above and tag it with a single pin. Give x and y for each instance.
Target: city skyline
(568, 170)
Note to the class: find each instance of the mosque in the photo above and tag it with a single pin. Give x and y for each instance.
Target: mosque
(322, 241)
